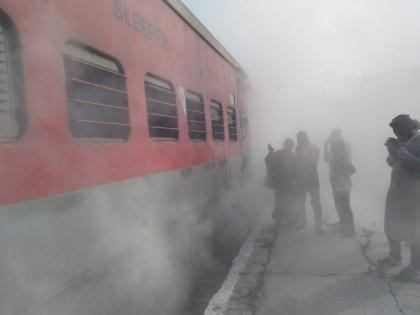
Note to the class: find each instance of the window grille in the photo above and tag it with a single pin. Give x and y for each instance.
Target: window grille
(11, 82)
(217, 121)
(196, 116)
(162, 110)
(232, 123)
(96, 94)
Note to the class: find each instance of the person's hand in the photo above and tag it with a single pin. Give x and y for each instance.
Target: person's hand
(327, 143)
(393, 145)
(270, 148)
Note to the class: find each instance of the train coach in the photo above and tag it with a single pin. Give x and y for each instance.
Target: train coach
(120, 121)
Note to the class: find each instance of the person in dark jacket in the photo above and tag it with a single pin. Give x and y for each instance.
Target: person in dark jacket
(281, 176)
(337, 154)
(402, 210)
(307, 157)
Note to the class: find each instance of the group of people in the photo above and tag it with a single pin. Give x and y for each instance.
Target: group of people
(292, 172)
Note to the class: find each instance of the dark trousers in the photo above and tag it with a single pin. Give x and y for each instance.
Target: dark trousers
(345, 214)
(395, 252)
(284, 208)
(316, 205)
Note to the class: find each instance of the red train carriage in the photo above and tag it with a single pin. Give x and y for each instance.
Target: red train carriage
(115, 116)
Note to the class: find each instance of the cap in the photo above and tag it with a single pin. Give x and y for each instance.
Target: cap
(403, 120)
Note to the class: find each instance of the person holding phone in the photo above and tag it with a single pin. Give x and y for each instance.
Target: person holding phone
(402, 210)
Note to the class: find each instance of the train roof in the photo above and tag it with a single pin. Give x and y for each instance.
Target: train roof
(186, 14)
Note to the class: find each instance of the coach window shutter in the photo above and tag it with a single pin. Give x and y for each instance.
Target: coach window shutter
(162, 112)
(97, 95)
(196, 116)
(232, 123)
(217, 121)
(11, 82)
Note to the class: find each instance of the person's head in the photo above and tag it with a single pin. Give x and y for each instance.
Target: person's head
(403, 127)
(288, 144)
(302, 138)
(336, 134)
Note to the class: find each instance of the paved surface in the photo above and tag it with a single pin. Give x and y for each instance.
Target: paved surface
(300, 273)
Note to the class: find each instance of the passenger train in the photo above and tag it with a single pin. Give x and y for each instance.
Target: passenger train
(120, 122)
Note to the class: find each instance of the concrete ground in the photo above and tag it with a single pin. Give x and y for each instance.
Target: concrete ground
(299, 273)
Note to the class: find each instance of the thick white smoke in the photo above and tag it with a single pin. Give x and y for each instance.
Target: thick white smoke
(318, 65)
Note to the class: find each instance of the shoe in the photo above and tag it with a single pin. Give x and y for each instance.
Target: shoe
(291, 223)
(336, 226)
(409, 273)
(319, 230)
(280, 224)
(283, 223)
(348, 235)
(388, 261)
(300, 226)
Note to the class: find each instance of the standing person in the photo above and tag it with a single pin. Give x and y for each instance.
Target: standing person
(402, 211)
(337, 154)
(307, 157)
(281, 174)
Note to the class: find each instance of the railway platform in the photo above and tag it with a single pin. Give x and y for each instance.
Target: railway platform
(299, 273)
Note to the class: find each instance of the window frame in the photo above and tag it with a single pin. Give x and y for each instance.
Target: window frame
(172, 91)
(118, 71)
(204, 121)
(213, 104)
(235, 114)
(15, 79)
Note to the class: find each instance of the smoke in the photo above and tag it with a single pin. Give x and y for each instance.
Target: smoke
(318, 65)
(313, 66)
(117, 250)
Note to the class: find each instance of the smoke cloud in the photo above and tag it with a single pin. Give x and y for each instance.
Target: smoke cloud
(313, 66)
(318, 65)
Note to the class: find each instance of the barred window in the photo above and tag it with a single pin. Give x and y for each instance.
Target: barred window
(96, 94)
(217, 121)
(195, 116)
(162, 110)
(232, 123)
(12, 118)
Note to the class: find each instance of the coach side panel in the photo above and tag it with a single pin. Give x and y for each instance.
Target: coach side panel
(47, 153)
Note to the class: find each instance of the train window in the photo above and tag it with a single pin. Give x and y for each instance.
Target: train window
(195, 116)
(96, 94)
(12, 119)
(217, 121)
(162, 110)
(232, 123)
